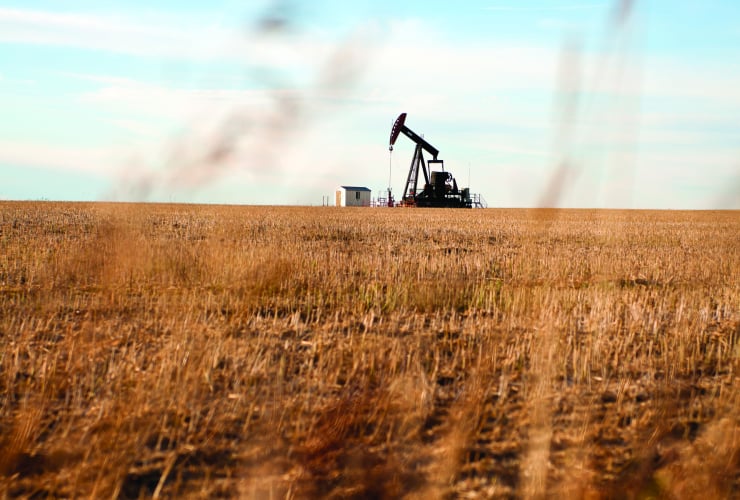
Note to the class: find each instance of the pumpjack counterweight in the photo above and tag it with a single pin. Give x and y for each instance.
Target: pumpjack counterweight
(440, 188)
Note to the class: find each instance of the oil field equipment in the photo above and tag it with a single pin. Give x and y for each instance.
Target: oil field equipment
(440, 187)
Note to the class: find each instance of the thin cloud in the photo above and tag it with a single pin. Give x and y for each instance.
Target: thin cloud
(16, 81)
(98, 78)
(65, 158)
(118, 34)
(542, 8)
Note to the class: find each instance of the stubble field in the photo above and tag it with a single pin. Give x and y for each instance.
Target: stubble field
(264, 352)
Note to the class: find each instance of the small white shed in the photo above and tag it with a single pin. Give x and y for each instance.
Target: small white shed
(352, 196)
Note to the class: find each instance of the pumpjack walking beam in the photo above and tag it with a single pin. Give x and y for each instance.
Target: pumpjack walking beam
(400, 127)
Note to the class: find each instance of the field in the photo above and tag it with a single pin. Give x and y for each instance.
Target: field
(263, 352)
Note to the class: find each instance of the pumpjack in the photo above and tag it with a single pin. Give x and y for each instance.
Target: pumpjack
(440, 187)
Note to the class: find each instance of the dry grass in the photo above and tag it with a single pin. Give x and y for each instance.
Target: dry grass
(201, 351)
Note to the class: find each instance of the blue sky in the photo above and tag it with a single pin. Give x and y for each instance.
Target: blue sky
(629, 104)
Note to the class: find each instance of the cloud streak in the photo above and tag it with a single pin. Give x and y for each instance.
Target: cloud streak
(160, 37)
(545, 8)
(86, 31)
(64, 158)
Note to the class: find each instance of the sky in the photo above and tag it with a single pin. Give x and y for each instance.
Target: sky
(571, 103)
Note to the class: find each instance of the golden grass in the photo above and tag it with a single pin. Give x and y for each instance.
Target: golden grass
(201, 351)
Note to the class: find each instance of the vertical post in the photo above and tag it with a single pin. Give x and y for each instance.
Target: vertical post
(390, 168)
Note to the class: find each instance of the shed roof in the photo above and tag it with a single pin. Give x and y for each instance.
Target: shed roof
(354, 188)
